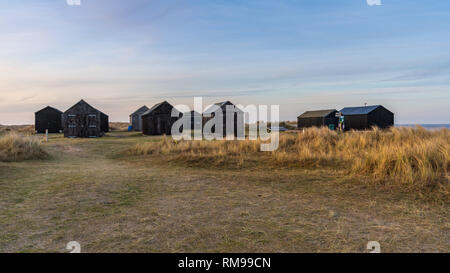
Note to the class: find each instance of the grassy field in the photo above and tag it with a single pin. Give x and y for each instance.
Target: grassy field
(410, 158)
(110, 198)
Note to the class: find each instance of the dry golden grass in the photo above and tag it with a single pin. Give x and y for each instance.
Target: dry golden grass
(401, 156)
(111, 203)
(22, 129)
(119, 126)
(14, 147)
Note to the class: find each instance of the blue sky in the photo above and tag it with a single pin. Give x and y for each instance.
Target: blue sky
(302, 55)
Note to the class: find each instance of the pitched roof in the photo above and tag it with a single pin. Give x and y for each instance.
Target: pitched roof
(361, 110)
(218, 105)
(84, 102)
(141, 110)
(223, 103)
(49, 107)
(156, 106)
(317, 113)
(81, 102)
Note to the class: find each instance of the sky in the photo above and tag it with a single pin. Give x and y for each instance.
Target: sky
(302, 55)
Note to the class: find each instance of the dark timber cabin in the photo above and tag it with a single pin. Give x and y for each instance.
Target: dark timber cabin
(49, 119)
(366, 117)
(83, 120)
(158, 120)
(136, 118)
(223, 107)
(318, 118)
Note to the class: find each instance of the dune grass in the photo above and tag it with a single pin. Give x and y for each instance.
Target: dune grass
(403, 156)
(112, 203)
(118, 126)
(14, 147)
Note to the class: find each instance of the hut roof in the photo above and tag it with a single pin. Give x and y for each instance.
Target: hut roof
(79, 103)
(141, 110)
(317, 113)
(50, 108)
(155, 107)
(84, 102)
(361, 110)
(223, 103)
(218, 105)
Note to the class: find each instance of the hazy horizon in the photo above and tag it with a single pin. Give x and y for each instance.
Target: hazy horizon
(302, 55)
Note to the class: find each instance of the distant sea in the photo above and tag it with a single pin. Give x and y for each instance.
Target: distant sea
(426, 126)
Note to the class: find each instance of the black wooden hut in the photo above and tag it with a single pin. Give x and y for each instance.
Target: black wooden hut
(83, 120)
(158, 120)
(318, 118)
(223, 107)
(49, 119)
(136, 118)
(366, 117)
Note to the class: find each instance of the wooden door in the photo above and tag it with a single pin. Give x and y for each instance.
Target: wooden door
(92, 125)
(72, 126)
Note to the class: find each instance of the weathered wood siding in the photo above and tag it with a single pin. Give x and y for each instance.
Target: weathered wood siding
(83, 120)
(159, 121)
